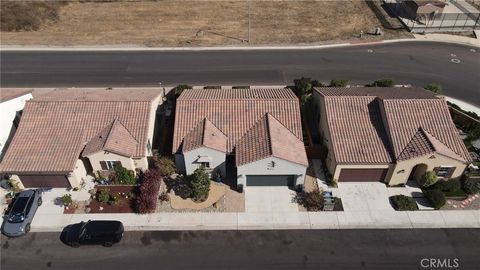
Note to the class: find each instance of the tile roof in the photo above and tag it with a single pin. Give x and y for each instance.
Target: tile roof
(381, 92)
(406, 116)
(205, 134)
(267, 138)
(234, 111)
(113, 138)
(12, 93)
(357, 131)
(389, 124)
(54, 129)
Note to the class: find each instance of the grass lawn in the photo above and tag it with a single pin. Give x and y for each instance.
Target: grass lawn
(457, 193)
(202, 23)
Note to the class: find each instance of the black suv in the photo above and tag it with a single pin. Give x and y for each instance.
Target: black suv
(94, 232)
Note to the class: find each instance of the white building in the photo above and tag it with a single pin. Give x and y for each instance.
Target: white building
(12, 102)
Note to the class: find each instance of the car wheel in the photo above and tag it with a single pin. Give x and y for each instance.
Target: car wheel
(27, 228)
(75, 244)
(40, 201)
(107, 244)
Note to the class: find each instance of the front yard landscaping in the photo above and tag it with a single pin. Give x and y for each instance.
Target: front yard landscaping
(114, 199)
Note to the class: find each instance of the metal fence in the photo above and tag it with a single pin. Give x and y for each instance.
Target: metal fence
(463, 21)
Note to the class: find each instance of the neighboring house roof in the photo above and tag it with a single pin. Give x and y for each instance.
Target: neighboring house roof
(113, 138)
(269, 138)
(383, 125)
(55, 127)
(234, 111)
(12, 93)
(205, 134)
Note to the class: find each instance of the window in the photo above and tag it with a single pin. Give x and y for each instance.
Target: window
(206, 165)
(444, 172)
(110, 164)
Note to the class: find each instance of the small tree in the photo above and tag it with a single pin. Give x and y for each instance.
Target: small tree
(436, 88)
(179, 89)
(149, 188)
(200, 184)
(338, 83)
(383, 83)
(312, 201)
(428, 179)
(303, 86)
(165, 165)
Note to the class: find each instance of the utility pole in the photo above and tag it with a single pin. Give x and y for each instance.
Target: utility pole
(248, 22)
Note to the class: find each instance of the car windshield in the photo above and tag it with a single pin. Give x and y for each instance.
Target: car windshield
(16, 218)
(19, 205)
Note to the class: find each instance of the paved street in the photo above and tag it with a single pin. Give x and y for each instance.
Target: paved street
(323, 249)
(417, 63)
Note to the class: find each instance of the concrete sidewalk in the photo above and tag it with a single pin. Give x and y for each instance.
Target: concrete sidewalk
(272, 220)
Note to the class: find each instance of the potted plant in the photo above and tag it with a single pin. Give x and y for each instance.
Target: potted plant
(66, 200)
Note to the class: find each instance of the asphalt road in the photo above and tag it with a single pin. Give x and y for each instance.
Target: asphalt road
(323, 249)
(417, 63)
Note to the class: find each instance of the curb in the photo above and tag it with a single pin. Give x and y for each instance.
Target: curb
(254, 48)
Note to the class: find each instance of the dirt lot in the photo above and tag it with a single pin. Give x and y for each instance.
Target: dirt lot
(202, 23)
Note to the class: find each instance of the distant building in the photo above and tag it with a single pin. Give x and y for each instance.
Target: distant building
(12, 102)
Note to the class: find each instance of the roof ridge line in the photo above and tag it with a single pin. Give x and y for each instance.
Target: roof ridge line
(109, 132)
(269, 135)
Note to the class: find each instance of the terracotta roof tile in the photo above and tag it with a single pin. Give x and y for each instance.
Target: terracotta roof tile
(54, 129)
(381, 125)
(205, 134)
(114, 138)
(267, 138)
(234, 111)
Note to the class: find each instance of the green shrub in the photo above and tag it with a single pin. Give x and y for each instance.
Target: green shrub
(104, 196)
(404, 203)
(436, 88)
(471, 185)
(383, 83)
(447, 185)
(179, 89)
(123, 176)
(113, 199)
(428, 179)
(200, 184)
(165, 165)
(338, 83)
(435, 197)
(67, 199)
(312, 201)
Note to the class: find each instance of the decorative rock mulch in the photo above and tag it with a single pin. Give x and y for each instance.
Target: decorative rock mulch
(472, 202)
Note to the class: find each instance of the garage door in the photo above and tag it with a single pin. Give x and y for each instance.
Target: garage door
(56, 181)
(362, 175)
(270, 180)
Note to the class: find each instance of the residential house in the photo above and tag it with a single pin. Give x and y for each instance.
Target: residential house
(65, 134)
(255, 132)
(12, 102)
(390, 135)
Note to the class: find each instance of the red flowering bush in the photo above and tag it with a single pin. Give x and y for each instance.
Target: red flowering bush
(148, 192)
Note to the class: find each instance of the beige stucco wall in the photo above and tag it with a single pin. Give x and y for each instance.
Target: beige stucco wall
(324, 130)
(104, 156)
(78, 175)
(403, 169)
(151, 120)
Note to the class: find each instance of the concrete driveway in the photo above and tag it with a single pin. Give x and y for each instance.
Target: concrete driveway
(269, 199)
(364, 196)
